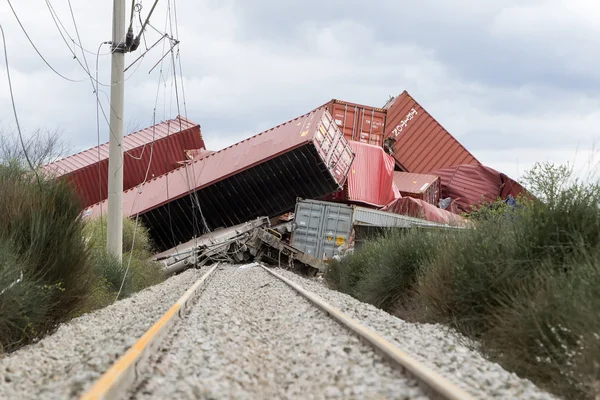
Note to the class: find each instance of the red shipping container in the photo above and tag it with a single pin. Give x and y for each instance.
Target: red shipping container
(418, 208)
(420, 143)
(164, 144)
(468, 185)
(261, 176)
(358, 122)
(371, 178)
(420, 186)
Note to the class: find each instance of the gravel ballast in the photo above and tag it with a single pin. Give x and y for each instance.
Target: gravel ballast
(252, 336)
(435, 346)
(66, 363)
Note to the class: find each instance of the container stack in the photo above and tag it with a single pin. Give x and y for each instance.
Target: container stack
(396, 161)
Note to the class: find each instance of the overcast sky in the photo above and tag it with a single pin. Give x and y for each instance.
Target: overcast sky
(515, 81)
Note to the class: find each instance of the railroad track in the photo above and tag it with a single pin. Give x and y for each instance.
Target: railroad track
(248, 332)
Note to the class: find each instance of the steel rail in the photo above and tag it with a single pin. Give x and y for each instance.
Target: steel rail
(115, 382)
(439, 385)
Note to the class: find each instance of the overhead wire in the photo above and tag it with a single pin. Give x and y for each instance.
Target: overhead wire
(174, 82)
(204, 223)
(58, 23)
(36, 49)
(98, 134)
(139, 192)
(179, 57)
(195, 201)
(95, 79)
(14, 107)
(79, 38)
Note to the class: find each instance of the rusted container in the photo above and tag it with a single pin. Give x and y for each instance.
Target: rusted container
(358, 122)
(418, 141)
(420, 186)
(154, 150)
(258, 177)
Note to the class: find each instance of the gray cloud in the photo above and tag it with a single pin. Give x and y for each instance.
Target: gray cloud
(511, 81)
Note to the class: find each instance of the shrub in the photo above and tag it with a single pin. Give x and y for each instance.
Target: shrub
(384, 271)
(524, 282)
(344, 275)
(53, 266)
(40, 237)
(142, 272)
(390, 277)
(548, 329)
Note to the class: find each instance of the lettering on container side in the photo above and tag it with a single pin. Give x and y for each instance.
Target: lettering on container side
(411, 114)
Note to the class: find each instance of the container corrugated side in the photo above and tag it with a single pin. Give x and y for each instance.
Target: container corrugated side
(367, 216)
(420, 143)
(370, 180)
(260, 176)
(152, 151)
(469, 183)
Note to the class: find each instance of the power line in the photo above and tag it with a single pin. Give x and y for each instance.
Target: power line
(151, 151)
(78, 37)
(192, 194)
(179, 58)
(94, 80)
(14, 107)
(57, 22)
(36, 49)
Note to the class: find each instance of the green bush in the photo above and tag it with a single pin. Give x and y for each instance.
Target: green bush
(53, 265)
(115, 276)
(23, 306)
(548, 329)
(483, 265)
(524, 282)
(41, 237)
(384, 271)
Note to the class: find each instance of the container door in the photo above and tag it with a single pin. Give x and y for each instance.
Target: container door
(345, 117)
(333, 149)
(371, 125)
(307, 235)
(337, 226)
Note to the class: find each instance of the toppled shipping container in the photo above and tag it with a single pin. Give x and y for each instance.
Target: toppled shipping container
(418, 142)
(420, 186)
(259, 176)
(164, 144)
(371, 178)
(418, 208)
(322, 227)
(358, 122)
(468, 185)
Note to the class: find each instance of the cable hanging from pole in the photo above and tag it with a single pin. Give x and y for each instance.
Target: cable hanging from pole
(14, 107)
(36, 49)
